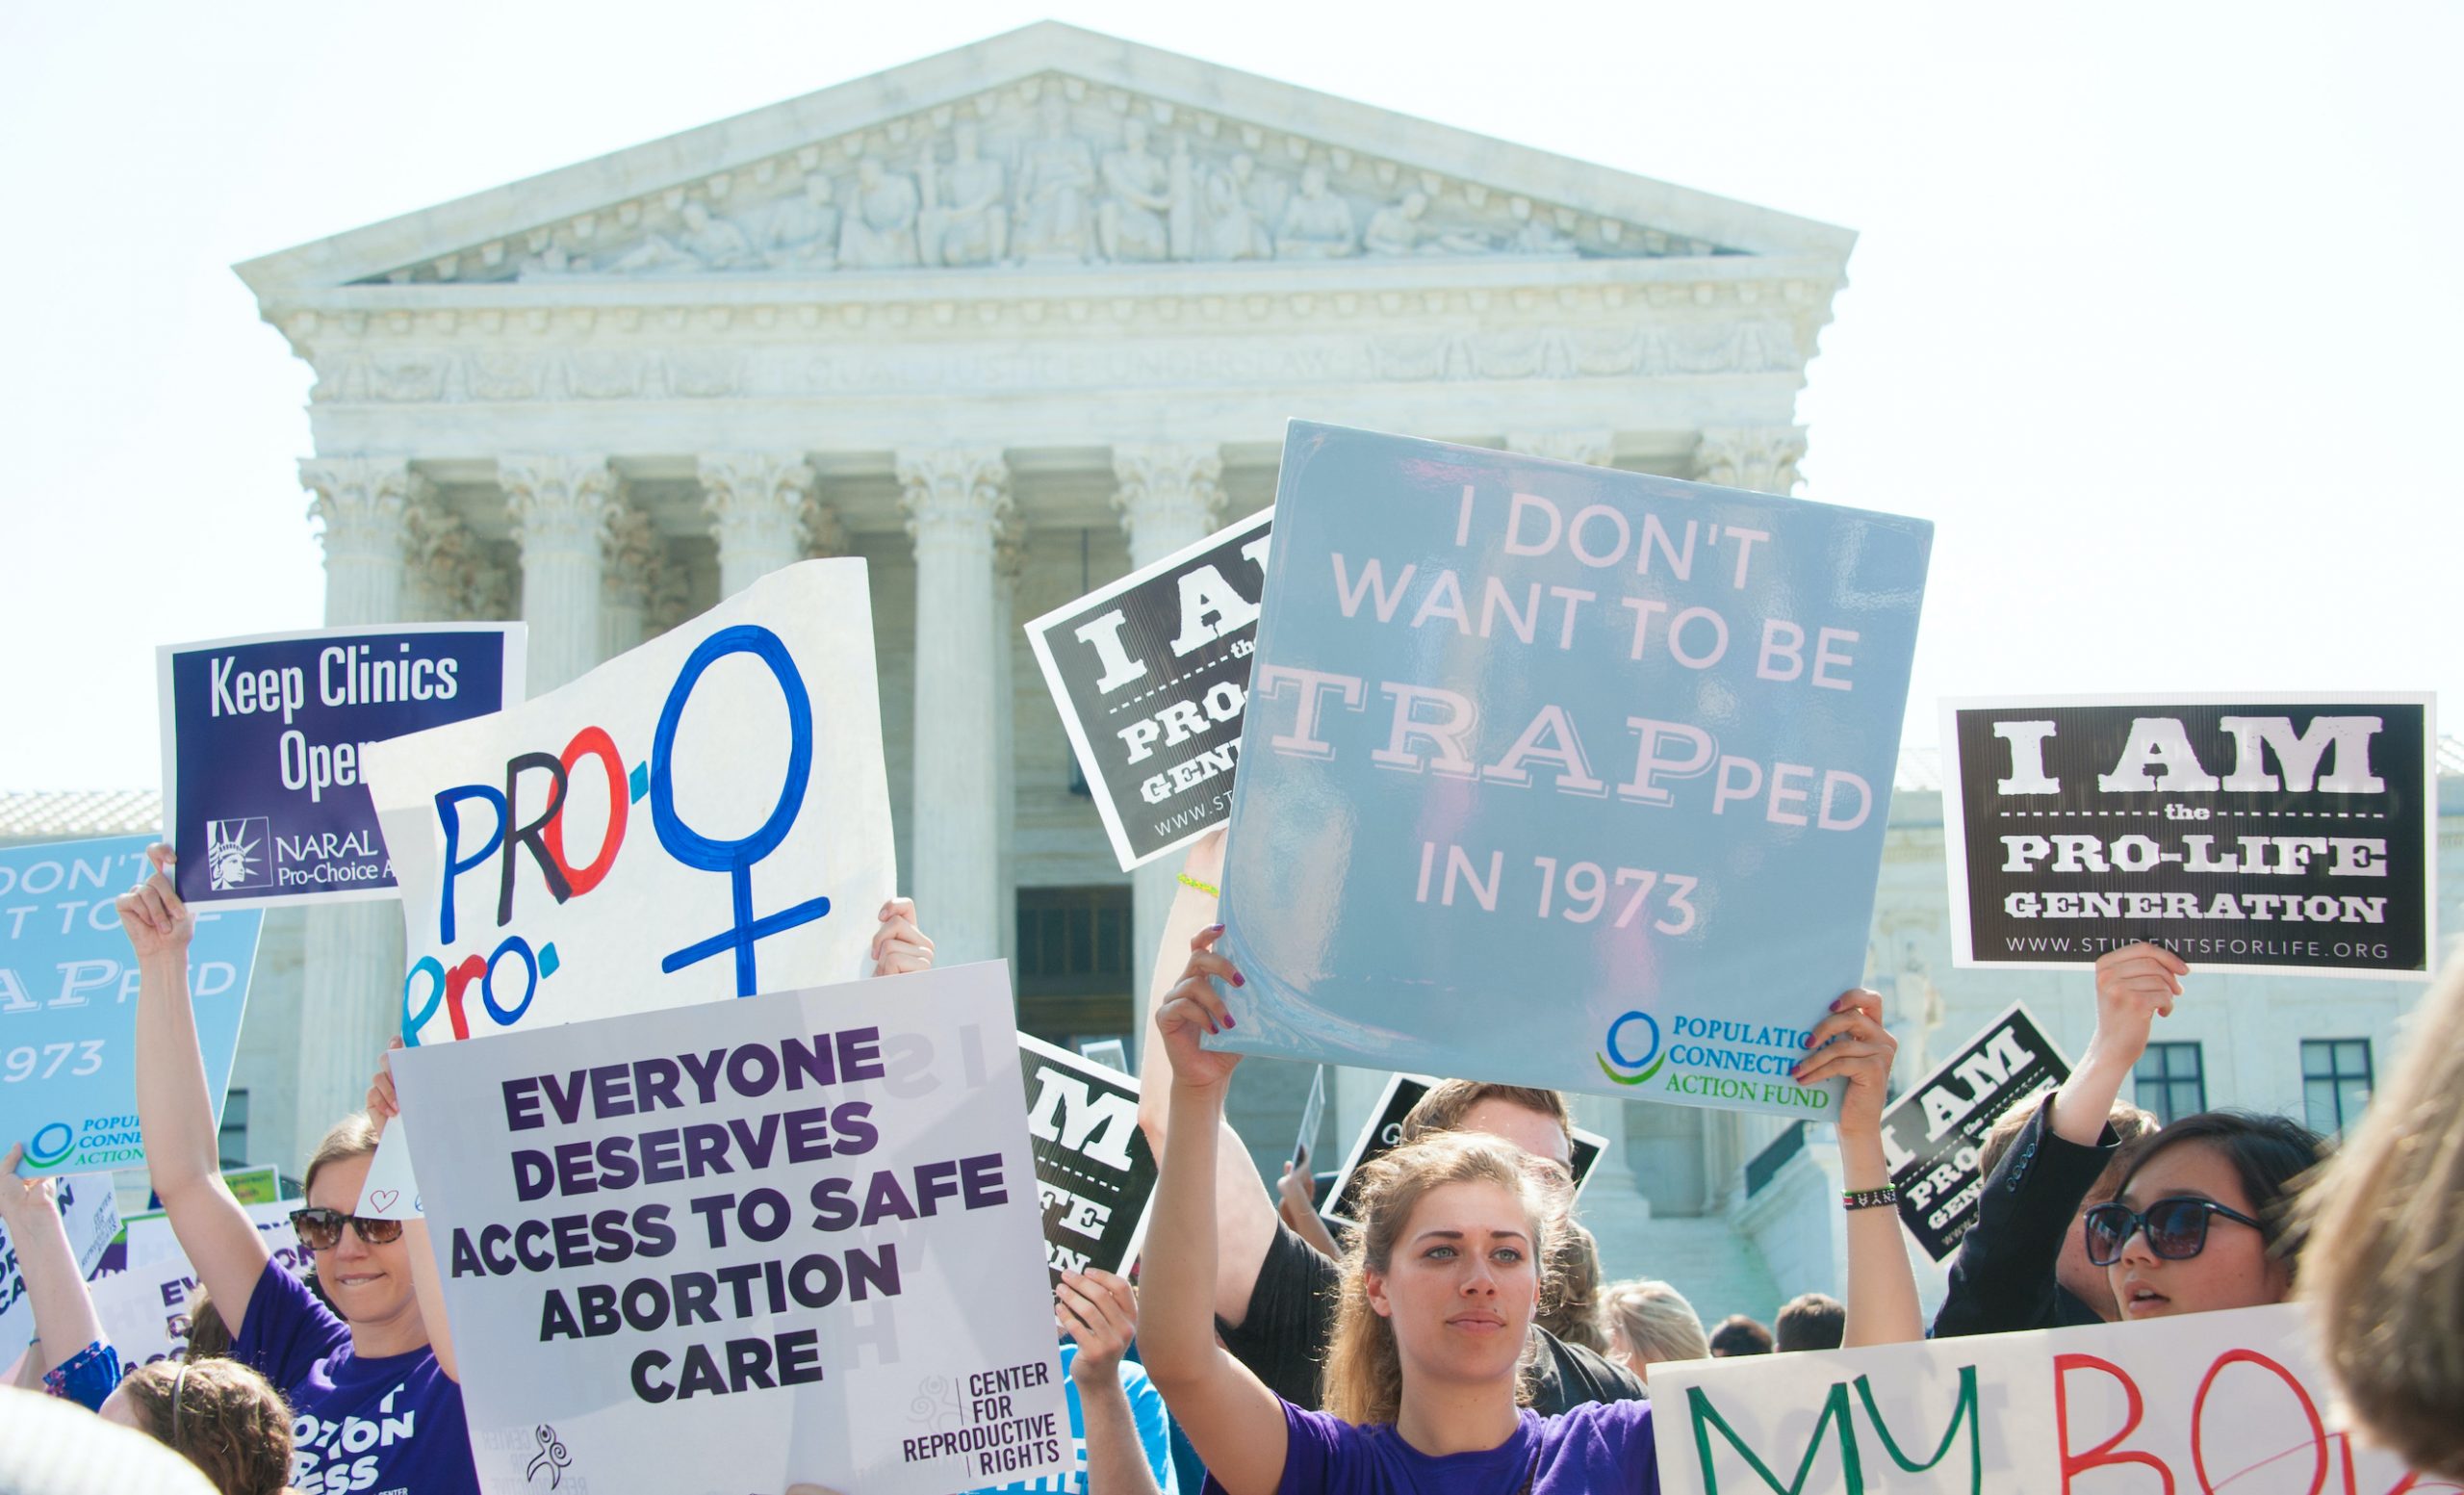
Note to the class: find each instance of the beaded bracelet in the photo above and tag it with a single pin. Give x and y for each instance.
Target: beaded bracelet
(1188, 880)
(1868, 1199)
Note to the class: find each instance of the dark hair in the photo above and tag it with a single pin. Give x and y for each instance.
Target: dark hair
(1810, 1320)
(1739, 1335)
(2269, 1154)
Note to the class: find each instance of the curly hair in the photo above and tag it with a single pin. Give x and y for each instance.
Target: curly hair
(1362, 1379)
(220, 1417)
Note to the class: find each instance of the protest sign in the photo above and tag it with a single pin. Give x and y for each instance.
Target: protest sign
(265, 740)
(68, 1002)
(1563, 776)
(1384, 1133)
(145, 1305)
(150, 1236)
(1150, 674)
(91, 1215)
(2245, 833)
(792, 1239)
(388, 1191)
(704, 816)
(2233, 1401)
(1312, 1111)
(1095, 1168)
(147, 1235)
(1932, 1135)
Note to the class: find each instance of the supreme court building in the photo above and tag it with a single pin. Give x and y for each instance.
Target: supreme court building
(1004, 323)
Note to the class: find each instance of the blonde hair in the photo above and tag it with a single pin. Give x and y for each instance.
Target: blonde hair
(2382, 1266)
(1654, 1321)
(220, 1417)
(354, 1136)
(1572, 1309)
(1363, 1380)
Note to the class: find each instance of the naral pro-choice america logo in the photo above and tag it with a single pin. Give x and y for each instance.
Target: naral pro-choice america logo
(1632, 1070)
(238, 854)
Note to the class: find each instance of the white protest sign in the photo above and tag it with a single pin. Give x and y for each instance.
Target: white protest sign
(2233, 1401)
(144, 1309)
(90, 1214)
(150, 1239)
(704, 817)
(389, 1192)
(791, 1239)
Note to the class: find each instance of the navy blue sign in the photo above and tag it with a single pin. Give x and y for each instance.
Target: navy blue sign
(263, 739)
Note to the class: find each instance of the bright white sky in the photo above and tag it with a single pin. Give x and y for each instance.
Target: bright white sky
(2156, 312)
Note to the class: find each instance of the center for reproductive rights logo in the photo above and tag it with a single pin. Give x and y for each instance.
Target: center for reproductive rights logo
(236, 854)
(1627, 1068)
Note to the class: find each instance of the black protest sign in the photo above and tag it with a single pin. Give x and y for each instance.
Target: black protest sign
(1151, 673)
(1094, 1171)
(2247, 832)
(1932, 1135)
(1384, 1133)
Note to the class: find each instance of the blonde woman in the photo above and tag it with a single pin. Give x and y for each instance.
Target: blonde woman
(1440, 1288)
(1650, 1322)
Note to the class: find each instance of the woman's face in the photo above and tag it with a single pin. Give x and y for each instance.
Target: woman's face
(1462, 1285)
(369, 1285)
(2234, 1270)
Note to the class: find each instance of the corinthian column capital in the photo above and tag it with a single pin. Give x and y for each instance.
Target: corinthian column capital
(560, 502)
(953, 496)
(361, 501)
(756, 500)
(1761, 459)
(1171, 495)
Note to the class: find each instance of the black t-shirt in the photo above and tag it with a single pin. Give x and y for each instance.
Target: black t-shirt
(1292, 1320)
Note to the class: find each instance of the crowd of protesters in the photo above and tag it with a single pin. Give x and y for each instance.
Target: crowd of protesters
(1456, 1336)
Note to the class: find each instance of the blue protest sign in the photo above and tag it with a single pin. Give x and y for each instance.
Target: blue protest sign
(1563, 776)
(68, 1002)
(265, 738)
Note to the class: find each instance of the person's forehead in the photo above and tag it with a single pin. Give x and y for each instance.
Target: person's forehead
(1474, 1207)
(338, 1183)
(2192, 1170)
(1533, 1131)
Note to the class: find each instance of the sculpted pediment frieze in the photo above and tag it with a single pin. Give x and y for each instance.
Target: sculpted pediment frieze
(1052, 171)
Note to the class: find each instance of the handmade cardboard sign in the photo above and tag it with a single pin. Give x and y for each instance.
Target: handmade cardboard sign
(748, 1246)
(1384, 1133)
(265, 739)
(1932, 1135)
(68, 1002)
(1095, 1168)
(90, 1214)
(2246, 833)
(2231, 1401)
(1563, 776)
(1150, 674)
(704, 817)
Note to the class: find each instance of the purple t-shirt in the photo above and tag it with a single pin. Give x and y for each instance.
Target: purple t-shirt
(390, 1426)
(1596, 1447)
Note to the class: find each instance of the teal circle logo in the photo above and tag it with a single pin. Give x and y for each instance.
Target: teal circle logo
(46, 1152)
(1625, 1070)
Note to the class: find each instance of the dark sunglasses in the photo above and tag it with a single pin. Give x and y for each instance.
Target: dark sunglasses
(2176, 1228)
(322, 1229)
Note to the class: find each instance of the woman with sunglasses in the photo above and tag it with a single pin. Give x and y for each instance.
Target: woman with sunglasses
(364, 1363)
(2198, 1224)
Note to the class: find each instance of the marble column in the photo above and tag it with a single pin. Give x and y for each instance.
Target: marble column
(561, 506)
(438, 562)
(955, 498)
(1761, 459)
(1009, 559)
(1170, 496)
(351, 953)
(633, 562)
(756, 500)
(1592, 447)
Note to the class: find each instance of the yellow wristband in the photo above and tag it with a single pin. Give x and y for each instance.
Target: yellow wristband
(1188, 880)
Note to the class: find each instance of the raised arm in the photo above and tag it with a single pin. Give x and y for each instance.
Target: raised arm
(1100, 1312)
(1852, 1043)
(1232, 1420)
(428, 1285)
(175, 1111)
(1245, 1215)
(65, 1320)
(2135, 986)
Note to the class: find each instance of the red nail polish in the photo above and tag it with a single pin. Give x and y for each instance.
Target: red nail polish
(1231, 1023)
(1240, 980)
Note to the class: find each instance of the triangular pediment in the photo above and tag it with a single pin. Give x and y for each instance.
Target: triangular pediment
(1046, 147)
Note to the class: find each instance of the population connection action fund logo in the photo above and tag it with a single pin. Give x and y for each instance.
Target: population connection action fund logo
(51, 1144)
(236, 854)
(1630, 1068)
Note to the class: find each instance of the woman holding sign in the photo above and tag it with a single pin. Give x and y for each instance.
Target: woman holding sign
(1440, 1288)
(365, 1365)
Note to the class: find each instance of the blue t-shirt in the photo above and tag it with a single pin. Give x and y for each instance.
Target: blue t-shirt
(388, 1426)
(1146, 1409)
(1599, 1445)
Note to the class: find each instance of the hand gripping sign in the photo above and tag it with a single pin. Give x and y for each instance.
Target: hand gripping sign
(746, 744)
